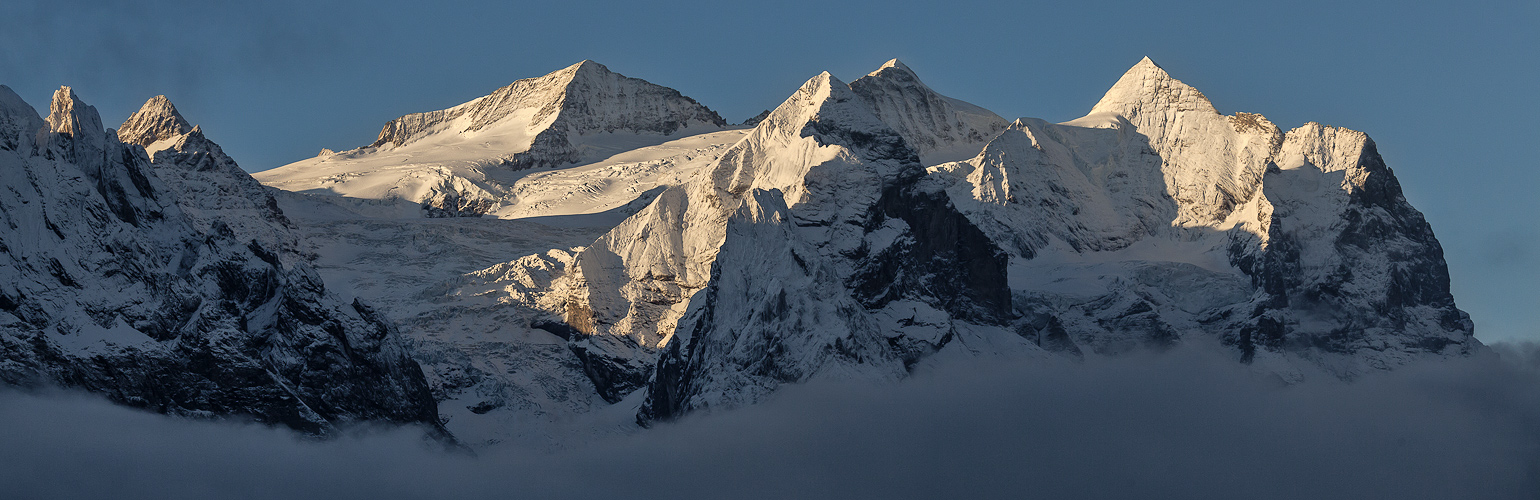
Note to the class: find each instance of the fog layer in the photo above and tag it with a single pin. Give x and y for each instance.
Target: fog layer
(1184, 424)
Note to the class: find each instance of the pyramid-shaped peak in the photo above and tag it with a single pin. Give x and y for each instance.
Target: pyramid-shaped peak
(892, 64)
(821, 83)
(894, 71)
(587, 67)
(160, 105)
(580, 99)
(825, 99)
(825, 86)
(157, 120)
(1146, 69)
(1147, 87)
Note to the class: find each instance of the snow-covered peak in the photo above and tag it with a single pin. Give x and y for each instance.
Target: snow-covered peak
(939, 128)
(1210, 163)
(892, 64)
(838, 120)
(462, 161)
(596, 100)
(819, 84)
(209, 187)
(156, 121)
(589, 95)
(12, 105)
(18, 121)
(587, 69)
(1147, 88)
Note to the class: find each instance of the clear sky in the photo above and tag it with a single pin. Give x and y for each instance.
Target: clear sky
(1449, 90)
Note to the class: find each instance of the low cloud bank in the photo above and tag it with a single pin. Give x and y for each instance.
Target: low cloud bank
(1184, 424)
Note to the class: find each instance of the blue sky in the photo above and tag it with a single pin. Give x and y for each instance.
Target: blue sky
(1448, 91)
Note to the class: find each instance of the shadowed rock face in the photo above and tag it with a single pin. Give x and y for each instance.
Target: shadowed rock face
(451, 204)
(174, 284)
(1356, 268)
(754, 120)
(948, 260)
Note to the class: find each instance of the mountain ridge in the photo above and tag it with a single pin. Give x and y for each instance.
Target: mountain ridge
(162, 284)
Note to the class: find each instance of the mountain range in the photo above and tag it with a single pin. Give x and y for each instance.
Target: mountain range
(585, 253)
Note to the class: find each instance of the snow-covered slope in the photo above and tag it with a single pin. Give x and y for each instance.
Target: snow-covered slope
(465, 294)
(464, 160)
(611, 183)
(172, 285)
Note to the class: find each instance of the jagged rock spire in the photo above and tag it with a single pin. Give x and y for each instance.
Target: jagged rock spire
(69, 116)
